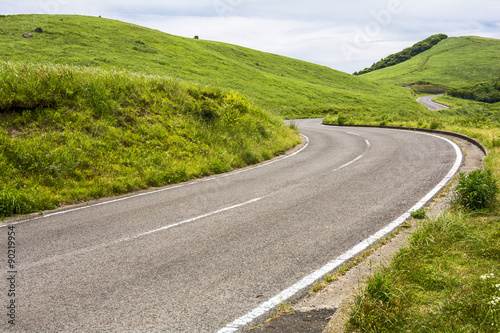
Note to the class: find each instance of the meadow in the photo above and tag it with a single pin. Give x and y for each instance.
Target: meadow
(447, 279)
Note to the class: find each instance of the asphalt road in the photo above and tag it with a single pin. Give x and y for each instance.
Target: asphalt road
(430, 104)
(206, 255)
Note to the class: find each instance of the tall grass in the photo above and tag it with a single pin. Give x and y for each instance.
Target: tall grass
(446, 280)
(69, 134)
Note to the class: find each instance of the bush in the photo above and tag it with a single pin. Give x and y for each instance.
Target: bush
(341, 119)
(476, 191)
(488, 92)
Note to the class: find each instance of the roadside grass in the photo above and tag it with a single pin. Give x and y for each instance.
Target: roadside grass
(69, 134)
(446, 280)
(288, 87)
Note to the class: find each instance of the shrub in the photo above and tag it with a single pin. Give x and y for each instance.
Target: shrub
(477, 190)
(435, 124)
(488, 92)
(341, 119)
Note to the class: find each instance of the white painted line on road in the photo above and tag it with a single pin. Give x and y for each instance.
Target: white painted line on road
(349, 163)
(187, 221)
(169, 188)
(334, 264)
(100, 247)
(368, 144)
(260, 165)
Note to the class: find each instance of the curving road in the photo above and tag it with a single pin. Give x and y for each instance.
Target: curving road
(430, 104)
(214, 254)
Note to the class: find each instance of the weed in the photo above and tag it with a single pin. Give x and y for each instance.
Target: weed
(329, 278)
(293, 125)
(418, 214)
(343, 269)
(434, 285)
(435, 124)
(477, 190)
(379, 287)
(317, 286)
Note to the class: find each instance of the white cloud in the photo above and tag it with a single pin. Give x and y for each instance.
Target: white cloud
(345, 35)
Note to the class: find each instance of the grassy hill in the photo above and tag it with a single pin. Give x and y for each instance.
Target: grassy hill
(69, 134)
(453, 63)
(285, 86)
(404, 55)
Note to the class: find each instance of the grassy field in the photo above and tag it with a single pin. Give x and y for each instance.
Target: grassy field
(284, 86)
(69, 134)
(453, 63)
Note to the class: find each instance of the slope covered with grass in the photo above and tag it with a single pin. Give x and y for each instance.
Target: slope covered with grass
(404, 55)
(282, 85)
(455, 62)
(69, 134)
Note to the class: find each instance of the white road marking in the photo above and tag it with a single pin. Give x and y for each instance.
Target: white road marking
(169, 188)
(187, 221)
(101, 246)
(368, 144)
(311, 278)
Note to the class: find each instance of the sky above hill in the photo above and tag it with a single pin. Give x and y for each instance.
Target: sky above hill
(344, 35)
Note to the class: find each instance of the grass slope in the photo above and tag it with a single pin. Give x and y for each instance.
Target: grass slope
(69, 134)
(285, 86)
(453, 63)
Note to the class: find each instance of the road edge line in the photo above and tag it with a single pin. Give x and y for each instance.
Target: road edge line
(349, 254)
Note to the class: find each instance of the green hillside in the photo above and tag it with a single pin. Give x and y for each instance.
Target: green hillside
(285, 86)
(406, 54)
(69, 134)
(453, 63)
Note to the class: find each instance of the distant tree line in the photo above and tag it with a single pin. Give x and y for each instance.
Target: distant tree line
(488, 92)
(406, 54)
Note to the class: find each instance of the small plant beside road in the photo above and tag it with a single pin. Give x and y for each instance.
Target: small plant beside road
(418, 214)
(477, 190)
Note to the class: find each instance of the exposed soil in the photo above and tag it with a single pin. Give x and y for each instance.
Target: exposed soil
(313, 321)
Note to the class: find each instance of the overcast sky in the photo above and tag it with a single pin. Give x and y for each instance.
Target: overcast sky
(344, 35)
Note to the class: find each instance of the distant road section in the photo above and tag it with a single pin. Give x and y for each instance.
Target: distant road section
(430, 104)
